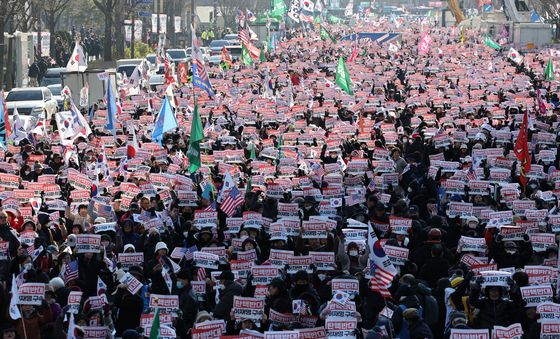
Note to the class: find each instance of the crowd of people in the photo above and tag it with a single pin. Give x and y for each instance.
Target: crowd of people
(398, 211)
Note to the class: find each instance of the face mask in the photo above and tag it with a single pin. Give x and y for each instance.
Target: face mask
(27, 172)
(307, 208)
(404, 140)
(322, 277)
(180, 285)
(28, 266)
(353, 253)
(334, 156)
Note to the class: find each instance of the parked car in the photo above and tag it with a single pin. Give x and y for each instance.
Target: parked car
(178, 55)
(216, 46)
(30, 103)
(52, 76)
(56, 91)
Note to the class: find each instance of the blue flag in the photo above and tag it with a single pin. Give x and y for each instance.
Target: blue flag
(165, 121)
(200, 76)
(111, 109)
(535, 17)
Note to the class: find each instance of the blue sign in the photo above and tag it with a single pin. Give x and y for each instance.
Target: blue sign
(487, 8)
(145, 14)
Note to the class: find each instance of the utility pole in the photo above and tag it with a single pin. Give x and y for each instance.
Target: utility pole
(158, 8)
(192, 20)
(172, 20)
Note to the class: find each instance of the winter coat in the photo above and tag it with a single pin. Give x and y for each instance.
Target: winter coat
(419, 330)
(222, 309)
(130, 309)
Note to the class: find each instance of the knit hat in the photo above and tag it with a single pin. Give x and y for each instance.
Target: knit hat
(455, 282)
(56, 283)
(411, 314)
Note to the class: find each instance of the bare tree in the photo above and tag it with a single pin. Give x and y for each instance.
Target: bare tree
(53, 10)
(228, 9)
(107, 7)
(550, 11)
(8, 8)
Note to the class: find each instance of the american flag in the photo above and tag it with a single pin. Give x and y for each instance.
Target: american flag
(71, 271)
(190, 251)
(244, 37)
(211, 207)
(380, 280)
(168, 70)
(471, 174)
(201, 274)
(232, 201)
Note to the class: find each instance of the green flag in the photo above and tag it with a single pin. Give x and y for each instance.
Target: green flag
(154, 331)
(491, 43)
(343, 78)
(317, 19)
(549, 71)
(325, 34)
(249, 185)
(246, 56)
(197, 134)
(279, 8)
(253, 155)
(334, 19)
(262, 57)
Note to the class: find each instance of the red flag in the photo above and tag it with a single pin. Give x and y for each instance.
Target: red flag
(354, 53)
(226, 57)
(522, 151)
(168, 70)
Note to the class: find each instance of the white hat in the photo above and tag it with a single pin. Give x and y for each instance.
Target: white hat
(100, 220)
(56, 283)
(161, 246)
(129, 246)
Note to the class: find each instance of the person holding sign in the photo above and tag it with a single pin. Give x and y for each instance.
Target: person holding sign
(228, 289)
(155, 267)
(495, 308)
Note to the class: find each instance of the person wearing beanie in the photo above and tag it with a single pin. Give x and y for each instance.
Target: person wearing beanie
(60, 290)
(278, 298)
(228, 289)
(417, 327)
(435, 267)
(154, 268)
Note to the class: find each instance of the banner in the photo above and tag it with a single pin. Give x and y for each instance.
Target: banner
(248, 308)
(137, 30)
(88, 243)
(31, 294)
(469, 334)
(535, 295)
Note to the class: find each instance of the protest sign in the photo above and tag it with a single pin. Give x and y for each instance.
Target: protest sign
(31, 294)
(206, 260)
(248, 308)
(535, 295)
(88, 243)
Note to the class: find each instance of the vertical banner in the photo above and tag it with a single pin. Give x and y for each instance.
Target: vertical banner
(177, 24)
(162, 23)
